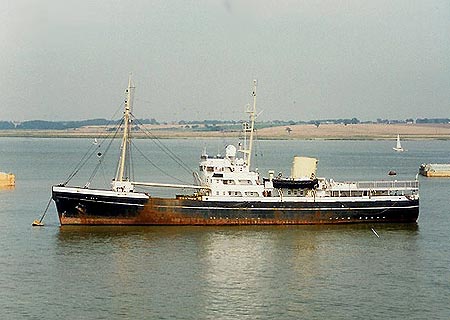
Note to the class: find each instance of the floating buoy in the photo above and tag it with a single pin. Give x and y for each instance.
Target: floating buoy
(37, 223)
(392, 173)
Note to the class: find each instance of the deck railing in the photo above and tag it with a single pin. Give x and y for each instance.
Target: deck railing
(377, 185)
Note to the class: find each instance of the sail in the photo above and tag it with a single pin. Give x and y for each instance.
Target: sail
(399, 145)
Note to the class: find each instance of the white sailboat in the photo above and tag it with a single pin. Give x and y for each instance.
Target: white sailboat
(398, 147)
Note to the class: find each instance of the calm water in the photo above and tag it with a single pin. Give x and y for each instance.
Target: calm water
(289, 272)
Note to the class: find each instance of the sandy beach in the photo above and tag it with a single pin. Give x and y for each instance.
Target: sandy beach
(307, 131)
(359, 131)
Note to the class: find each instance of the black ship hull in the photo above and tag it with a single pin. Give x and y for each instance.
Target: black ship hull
(109, 208)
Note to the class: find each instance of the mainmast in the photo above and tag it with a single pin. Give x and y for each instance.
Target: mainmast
(251, 110)
(121, 169)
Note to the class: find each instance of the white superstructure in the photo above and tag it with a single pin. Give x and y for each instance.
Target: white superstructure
(230, 178)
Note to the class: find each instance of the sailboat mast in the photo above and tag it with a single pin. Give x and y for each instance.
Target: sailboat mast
(126, 133)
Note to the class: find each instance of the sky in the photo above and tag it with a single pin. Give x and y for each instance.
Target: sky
(196, 59)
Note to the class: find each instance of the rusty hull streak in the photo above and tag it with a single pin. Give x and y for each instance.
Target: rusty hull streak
(162, 211)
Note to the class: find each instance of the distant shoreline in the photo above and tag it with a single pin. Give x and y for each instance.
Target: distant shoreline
(295, 132)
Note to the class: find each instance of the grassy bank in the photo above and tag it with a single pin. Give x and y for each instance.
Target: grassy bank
(305, 132)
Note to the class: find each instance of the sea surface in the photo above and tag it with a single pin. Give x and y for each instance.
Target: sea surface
(251, 272)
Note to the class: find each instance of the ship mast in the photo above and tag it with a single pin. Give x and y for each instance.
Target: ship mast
(120, 175)
(250, 129)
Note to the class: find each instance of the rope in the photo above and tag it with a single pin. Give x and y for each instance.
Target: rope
(156, 166)
(39, 222)
(101, 157)
(164, 148)
(78, 167)
(84, 160)
(93, 149)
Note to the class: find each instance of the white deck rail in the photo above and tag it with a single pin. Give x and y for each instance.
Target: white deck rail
(376, 185)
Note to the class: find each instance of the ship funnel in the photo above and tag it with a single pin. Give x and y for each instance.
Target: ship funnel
(304, 168)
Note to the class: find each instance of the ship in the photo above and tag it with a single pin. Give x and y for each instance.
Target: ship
(441, 170)
(228, 191)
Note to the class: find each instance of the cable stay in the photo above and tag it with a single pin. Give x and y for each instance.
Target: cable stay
(156, 166)
(96, 145)
(95, 148)
(162, 146)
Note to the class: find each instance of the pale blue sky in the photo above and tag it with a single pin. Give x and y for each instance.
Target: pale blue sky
(196, 59)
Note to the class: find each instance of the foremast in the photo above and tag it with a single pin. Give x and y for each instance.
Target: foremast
(121, 181)
(249, 129)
